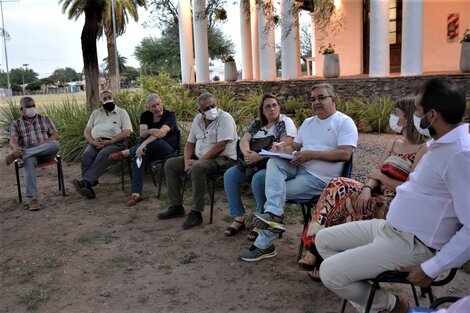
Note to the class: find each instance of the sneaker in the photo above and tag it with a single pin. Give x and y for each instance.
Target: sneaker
(34, 204)
(194, 218)
(172, 212)
(254, 254)
(401, 305)
(78, 185)
(87, 191)
(269, 222)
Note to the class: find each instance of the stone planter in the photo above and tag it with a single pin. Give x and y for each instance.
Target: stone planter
(465, 57)
(331, 65)
(230, 71)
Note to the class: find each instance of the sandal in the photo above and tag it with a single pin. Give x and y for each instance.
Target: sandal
(252, 235)
(307, 263)
(232, 231)
(133, 200)
(314, 275)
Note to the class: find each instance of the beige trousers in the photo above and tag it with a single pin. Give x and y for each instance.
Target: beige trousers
(357, 251)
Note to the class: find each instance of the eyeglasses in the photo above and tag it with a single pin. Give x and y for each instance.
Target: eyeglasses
(270, 106)
(320, 98)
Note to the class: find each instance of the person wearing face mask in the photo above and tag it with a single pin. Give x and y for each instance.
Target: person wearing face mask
(33, 138)
(427, 227)
(346, 200)
(211, 146)
(106, 132)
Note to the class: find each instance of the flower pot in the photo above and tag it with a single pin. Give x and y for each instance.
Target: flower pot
(230, 71)
(465, 57)
(331, 65)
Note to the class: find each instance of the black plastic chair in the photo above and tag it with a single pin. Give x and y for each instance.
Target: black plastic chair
(308, 204)
(60, 174)
(395, 277)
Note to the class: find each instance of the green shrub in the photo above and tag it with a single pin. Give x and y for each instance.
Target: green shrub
(370, 114)
(8, 115)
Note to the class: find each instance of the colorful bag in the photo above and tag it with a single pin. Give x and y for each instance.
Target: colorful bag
(396, 168)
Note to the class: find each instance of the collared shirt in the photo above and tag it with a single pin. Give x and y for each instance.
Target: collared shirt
(221, 129)
(34, 133)
(434, 204)
(108, 124)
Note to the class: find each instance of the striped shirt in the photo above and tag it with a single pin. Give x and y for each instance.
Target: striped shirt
(34, 133)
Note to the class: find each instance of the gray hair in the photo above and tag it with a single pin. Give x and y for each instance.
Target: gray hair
(328, 87)
(106, 91)
(151, 97)
(24, 101)
(204, 97)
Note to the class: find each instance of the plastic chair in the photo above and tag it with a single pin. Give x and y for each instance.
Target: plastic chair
(308, 204)
(395, 277)
(434, 306)
(60, 174)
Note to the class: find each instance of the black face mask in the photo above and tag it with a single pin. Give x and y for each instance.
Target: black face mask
(431, 129)
(109, 106)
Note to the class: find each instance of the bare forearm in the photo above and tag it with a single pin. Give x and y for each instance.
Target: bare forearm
(330, 156)
(188, 151)
(121, 136)
(214, 152)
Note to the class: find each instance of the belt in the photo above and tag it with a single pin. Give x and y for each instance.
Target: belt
(104, 138)
(430, 249)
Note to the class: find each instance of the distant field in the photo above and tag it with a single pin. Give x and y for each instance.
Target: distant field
(49, 98)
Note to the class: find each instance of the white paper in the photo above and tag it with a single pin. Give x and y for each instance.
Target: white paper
(138, 162)
(270, 154)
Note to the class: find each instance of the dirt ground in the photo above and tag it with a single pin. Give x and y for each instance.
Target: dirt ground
(80, 255)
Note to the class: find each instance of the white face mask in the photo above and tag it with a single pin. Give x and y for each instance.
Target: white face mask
(30, 112)
(393, 123)
(212, 114)
(417, 123)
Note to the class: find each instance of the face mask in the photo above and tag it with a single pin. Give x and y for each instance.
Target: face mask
(393, 123)
(109, 105)
(417, 122)
(212, 114)
(30, 112)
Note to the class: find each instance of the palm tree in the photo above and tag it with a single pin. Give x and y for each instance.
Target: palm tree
(123, 9)
(93, 10)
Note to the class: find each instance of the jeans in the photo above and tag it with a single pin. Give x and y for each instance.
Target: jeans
(233, 179)
(285, 181)
(174, 171)
(156, 150)
(96, 161)
(31, 156)
(354, 252)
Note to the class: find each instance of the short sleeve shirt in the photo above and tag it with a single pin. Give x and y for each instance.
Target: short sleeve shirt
(31, 134)
(108, 124)
(221, 129)
(169, 119)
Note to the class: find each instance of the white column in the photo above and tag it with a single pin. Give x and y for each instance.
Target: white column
(267, 53)
(379, 44)
(289, 31)
(201, 49)
(186, 42)
(254, 38)
(314, 44)
(412, 38)
(245, 33)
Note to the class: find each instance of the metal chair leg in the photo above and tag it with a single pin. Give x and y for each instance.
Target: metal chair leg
(60, 173)
(17, 172)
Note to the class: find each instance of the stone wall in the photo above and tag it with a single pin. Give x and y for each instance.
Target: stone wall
(346, 87)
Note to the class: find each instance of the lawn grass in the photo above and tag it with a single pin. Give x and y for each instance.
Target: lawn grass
(49, 99)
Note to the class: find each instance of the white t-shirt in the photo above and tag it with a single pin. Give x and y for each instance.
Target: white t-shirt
(326, 135)
(291, 129)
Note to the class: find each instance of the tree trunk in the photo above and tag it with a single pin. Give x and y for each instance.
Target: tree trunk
(111, 61)
(93, 17)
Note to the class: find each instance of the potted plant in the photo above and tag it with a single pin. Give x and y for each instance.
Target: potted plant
(230, 69)
(330, 61)
(220, 14)
(465, 52)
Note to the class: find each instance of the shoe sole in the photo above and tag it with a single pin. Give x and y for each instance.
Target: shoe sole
(87, 193)
(274, 227)
(263, 256)
(191, 226)
(170, 217)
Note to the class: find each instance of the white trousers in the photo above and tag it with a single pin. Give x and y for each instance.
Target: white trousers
(357, 251)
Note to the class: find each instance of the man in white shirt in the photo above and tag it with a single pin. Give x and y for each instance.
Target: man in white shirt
(324, 142)
(211, 146)
(431, 212)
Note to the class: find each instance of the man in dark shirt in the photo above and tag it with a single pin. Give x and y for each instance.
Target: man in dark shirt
(158, 132)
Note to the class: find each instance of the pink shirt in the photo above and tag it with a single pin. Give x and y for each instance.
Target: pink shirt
(434, 204)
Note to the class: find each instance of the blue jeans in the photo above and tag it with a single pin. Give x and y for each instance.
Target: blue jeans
(285, 181)
(233, 180)
(157, 150)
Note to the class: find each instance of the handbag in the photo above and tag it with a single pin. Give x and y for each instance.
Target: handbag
(255, 145)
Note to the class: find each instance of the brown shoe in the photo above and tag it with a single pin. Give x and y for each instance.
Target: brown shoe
(12, 157)
(401, 305)
(133, 200)
(116, 156)
(34, 205)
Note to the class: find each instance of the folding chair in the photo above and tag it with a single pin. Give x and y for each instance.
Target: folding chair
(308, 204)
(395, 277)
(60, 174)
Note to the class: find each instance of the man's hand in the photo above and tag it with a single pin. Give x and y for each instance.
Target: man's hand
(188, 165)
(252, 157)
(362, 202)
(416, 275)
(140, 151)
(301, 157)
(157, 133)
